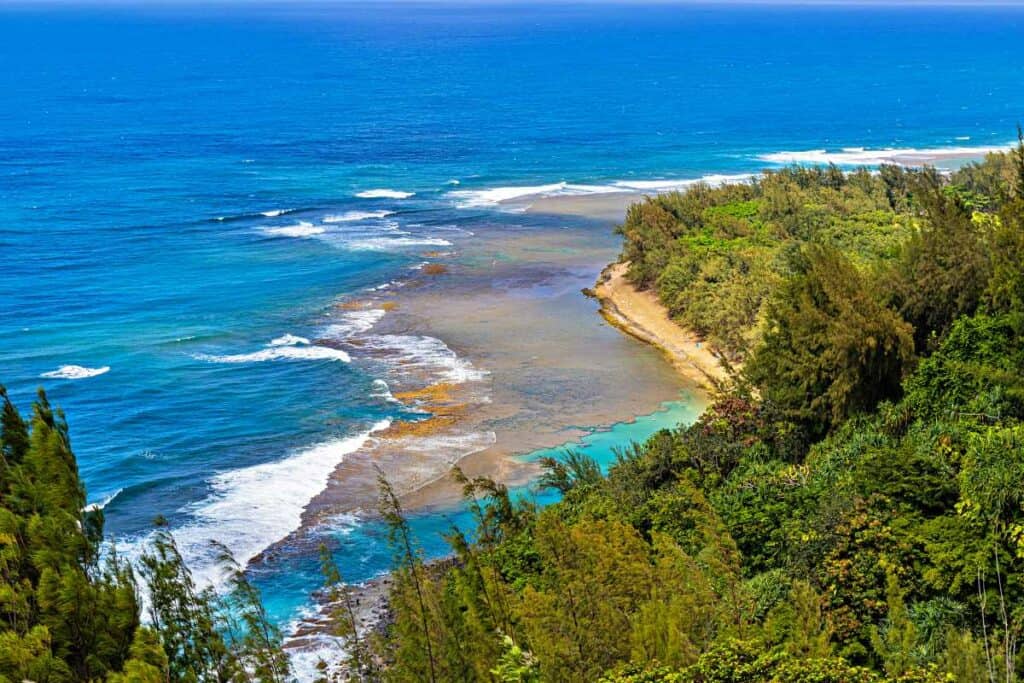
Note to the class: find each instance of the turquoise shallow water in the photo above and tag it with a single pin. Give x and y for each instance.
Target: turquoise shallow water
(186, 192)
(361, 547)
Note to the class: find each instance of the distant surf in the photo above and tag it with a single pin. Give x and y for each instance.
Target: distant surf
(301, 229)
(384, 193)
(861, 156)
(75, 372)
(356, 216)
(286, 347)
(517, 197)
(389, 243)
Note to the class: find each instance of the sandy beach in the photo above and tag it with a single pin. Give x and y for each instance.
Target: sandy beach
(641, 315)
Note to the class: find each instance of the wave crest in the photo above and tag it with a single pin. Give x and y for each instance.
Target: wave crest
(300, 229)
(860, 156)
(384, 193)
(356, 216)
(75, 372)
(285, 347)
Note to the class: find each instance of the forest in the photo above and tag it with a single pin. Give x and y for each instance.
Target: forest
(850, 508)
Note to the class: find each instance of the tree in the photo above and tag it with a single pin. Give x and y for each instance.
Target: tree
(944, 268)
(65, 614)
(257, 644)
(830, 349)
(344, 621)
(409, 574)
(184, 617)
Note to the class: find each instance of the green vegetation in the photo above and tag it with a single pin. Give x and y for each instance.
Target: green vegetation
(849, 509)
(67, 613)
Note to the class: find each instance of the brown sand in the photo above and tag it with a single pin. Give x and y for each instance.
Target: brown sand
(640, 314)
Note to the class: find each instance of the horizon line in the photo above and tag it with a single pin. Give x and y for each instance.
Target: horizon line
(494, 3)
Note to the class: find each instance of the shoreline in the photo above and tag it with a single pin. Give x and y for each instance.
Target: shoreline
(642, 316)
(542, 370)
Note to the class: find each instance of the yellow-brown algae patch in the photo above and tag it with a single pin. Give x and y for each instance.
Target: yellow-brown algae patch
(435, 393)
(418, 428)
(364, 305)
(435, 269)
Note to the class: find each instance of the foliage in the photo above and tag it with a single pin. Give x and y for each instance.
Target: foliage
(830, 349)
(65, 613)
(69, 613)
(849, 510)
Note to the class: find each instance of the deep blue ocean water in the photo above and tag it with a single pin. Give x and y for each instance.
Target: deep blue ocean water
(140, 150)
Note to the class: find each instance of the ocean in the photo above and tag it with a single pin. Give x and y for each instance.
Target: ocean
(187, 195)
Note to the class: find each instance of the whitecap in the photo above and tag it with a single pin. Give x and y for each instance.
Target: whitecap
(286, 347)
(860, 156)
(382, 390)
(103, 503)
(389, 243)
(666, 185)
(300, 229)
(423, 355)
(384, 193)
(355, 216)
(288, 340)
(497, 195)
(275, 212)
(354, 322)
(75, 372)
(517, 197)
(249, 509)
(283, 352)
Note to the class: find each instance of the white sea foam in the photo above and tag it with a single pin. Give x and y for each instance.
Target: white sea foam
(300, 229)
(306, 662)
(250, 508)
(355, 216)
(286, 347)
(667, 185)
(517, 196)
(420, 354)
(352, 323)
(859, 156)
(384, 193)
(288, 340)
(497, 195)
(103, 503)
(389, 243)
(276, 212)
(75, 372)
(382, 390)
